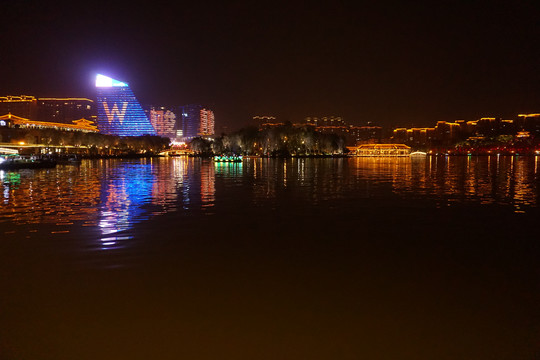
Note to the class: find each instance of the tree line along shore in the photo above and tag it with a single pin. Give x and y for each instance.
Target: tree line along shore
(280, 141)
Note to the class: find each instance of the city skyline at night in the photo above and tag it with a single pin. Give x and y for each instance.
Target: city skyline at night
(391, 63)
(270, 180)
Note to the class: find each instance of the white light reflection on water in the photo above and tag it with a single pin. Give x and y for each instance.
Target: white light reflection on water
(114, 242)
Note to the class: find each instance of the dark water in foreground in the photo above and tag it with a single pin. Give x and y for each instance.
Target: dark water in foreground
(431, 258)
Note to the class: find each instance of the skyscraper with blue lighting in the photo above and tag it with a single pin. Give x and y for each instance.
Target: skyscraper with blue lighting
(196, 120)
(119, 112)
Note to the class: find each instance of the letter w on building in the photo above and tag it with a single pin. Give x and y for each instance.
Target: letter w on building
(115, 111)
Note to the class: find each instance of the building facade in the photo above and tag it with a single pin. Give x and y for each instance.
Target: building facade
(163, 120)
(118, 110)
(334, 121)
(24, 106)
(195, 120)
(266, 121)
(353, 135)
(65, 110)
(207, 123)
(364, 134)
(56, 110)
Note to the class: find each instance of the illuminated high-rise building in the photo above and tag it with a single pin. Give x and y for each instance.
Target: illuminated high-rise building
(163, 121)
(207, 123)
(196, 120)
(119, 112)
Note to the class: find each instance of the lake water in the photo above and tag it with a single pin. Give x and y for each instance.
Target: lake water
(430, 258)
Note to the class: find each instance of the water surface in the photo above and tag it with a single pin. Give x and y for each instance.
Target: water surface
(272, 259)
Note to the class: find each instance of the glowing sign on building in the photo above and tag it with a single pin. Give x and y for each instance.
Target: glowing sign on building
(105, 81)
(119, 112)
(163, 121)
(115, 111)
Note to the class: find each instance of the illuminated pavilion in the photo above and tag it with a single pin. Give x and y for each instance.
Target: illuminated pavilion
(382, 150)
(10, 121)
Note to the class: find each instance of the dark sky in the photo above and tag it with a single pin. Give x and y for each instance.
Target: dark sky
(393, 63)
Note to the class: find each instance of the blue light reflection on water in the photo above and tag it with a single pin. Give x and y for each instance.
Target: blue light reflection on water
(111, 196)
(132, 192)
(135, 191)
(126, 188)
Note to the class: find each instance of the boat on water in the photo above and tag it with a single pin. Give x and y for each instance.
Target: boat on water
(26, 162)
(229, 159)
(418, 154)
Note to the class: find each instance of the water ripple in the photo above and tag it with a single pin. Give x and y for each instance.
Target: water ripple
(113, 195)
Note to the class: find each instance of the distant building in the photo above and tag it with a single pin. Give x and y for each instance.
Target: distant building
(207, 123)
(24, 106)
(163, 120)
(329, 125)
(119, 112)
(65, 110)
(338, 130)
(364, 134)
(57, 110)
(325, 121)
(529, 123)
(195, 120)
(417, 137)
(265, 121)
(445, 134)
(353, 135)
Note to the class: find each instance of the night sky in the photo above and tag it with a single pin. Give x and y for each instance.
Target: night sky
(392, 63)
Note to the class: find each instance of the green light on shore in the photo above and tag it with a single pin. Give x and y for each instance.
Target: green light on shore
(227, 158)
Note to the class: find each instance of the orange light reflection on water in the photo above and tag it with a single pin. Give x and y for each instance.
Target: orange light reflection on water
(113, 195)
